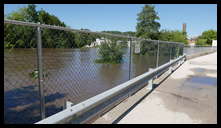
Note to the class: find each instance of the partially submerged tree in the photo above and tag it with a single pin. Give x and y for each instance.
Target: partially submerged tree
(110, 52)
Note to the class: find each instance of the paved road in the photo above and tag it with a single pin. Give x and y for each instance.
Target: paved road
(189, 95)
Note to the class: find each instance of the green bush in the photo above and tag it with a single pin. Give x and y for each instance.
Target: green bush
(174, 36)
(201, 42)
(110, 52)
(207, 37)
(8, 45)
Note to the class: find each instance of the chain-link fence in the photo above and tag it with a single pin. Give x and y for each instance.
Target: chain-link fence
(58, 64)
(21, 90)
(193, 50)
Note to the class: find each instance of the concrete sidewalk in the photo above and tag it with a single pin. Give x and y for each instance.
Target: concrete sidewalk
(189, 95)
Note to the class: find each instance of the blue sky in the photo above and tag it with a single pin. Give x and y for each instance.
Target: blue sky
(122, 17)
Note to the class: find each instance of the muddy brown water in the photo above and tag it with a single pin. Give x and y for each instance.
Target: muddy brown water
(69, 74)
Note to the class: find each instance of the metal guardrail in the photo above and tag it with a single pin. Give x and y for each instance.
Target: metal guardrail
(86, 110)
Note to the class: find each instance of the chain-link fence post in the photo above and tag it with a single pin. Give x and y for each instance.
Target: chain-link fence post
(182, 49)
(158, 50)
(170, 51)
(40, 72)
(130, 57)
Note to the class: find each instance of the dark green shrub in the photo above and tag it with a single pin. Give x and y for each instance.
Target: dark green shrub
(110, 52)
(201, 42)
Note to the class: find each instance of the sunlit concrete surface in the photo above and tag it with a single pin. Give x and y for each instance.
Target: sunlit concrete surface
(189, 95)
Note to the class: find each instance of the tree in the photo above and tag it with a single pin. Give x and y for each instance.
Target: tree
(32, 13)
(21, 36)
(46, 18)
(28, 14)
(16, 36)
(207, 37)
(110, 52)
(147, 26)
(201, 42)
(174, 36)
(130, 33)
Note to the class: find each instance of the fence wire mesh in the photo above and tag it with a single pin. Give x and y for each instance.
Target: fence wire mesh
(76, 66)
(21, 92)
(191, 50)
(143, 57)
(75, 74)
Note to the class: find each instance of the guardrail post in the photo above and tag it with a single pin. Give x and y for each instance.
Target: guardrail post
(183, 60)
(40, 74)
(180, 62)
(68, 104)
(170, 69)
(150, 82)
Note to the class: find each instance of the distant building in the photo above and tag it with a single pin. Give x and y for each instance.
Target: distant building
(214, 43)
(192, 41)
(184, 27)
(98, 42)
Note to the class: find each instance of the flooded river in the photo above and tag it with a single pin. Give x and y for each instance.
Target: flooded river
(69, 74)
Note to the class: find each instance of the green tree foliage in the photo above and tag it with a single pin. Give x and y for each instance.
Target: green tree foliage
(207, 37)
(32, 14)
(128, 33)
(121, 40)
(110, 52)
(147, 47)
(16, 36)
(201, 42)
(46, 18)
(113, 32)
(147, 26)
(174, 36)
(20, 36)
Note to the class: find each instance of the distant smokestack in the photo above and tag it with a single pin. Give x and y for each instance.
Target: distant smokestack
(184, 27)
